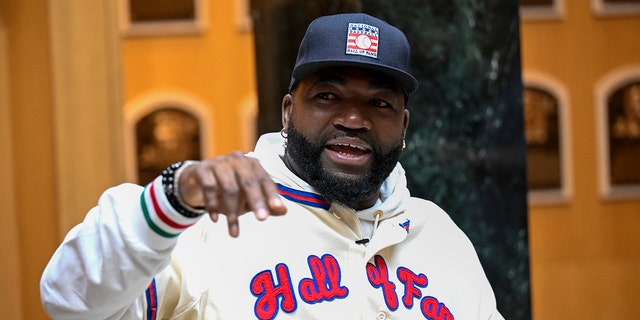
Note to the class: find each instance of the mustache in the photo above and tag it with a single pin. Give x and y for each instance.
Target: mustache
(340, 133)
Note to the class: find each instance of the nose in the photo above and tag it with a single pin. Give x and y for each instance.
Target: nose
(353, 116)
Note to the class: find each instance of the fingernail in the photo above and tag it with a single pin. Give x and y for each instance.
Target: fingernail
(276, 202)
(262, 214)
(234, 230)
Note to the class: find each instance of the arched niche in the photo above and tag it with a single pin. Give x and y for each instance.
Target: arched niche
(548, 137)
(617, 106)
(162, 127)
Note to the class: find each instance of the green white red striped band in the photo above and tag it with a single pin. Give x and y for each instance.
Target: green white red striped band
(158, 213)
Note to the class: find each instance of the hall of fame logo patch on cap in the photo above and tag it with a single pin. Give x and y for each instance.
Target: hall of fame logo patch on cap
(362, 39)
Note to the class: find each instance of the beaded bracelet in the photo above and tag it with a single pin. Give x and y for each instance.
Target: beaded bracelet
(170, 179)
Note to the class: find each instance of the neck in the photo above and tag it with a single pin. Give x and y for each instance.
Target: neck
(366, 202)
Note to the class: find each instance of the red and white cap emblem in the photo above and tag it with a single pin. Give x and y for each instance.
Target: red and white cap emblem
(362, 39)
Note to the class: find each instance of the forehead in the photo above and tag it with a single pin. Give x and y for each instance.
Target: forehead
(345, 75)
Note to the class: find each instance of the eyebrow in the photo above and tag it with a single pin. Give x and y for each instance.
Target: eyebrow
(380, 83)
(330, 79)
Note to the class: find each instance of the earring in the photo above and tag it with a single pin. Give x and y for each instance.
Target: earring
(284, 136)
(404, 144)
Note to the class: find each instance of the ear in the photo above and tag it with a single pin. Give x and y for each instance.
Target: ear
(405, 124)
(287, 108)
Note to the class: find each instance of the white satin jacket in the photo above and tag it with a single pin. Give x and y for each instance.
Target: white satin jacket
(134, 257)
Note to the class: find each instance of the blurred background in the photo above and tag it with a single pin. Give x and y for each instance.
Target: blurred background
(96, 93)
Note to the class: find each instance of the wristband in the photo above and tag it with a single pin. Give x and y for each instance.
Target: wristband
(170, 180)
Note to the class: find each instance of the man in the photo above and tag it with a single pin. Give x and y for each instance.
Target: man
(353, 243)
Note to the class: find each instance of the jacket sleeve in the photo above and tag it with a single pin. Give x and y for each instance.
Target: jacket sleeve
(105, 266)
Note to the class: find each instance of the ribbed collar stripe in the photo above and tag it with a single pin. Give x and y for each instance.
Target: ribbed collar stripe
(303, 197)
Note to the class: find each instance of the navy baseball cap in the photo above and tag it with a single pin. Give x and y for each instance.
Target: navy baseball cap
(354, 40)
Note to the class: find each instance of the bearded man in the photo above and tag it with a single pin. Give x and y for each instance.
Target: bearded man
(334, 232)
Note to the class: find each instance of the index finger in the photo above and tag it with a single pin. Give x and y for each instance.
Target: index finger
(274, 200)
(261, 192)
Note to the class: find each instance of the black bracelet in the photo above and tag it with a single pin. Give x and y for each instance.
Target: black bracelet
(170, 186)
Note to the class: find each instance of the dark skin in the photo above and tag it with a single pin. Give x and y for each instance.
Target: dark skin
(325, 104)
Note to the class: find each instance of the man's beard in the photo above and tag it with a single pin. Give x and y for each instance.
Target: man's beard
(350, 192)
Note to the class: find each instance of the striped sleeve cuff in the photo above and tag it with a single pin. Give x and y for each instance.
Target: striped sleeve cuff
(159, 216)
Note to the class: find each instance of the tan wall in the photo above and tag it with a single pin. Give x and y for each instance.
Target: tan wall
(216, 67)
(585, 255)
(30, 153)
(61, 135)
(10, 263)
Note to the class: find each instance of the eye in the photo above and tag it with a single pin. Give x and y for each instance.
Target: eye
(326, 96)
(380, 103)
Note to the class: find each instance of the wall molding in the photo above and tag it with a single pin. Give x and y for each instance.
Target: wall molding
(87, 104)
(163, 28)
(555, 11)
(9, 239)
(603, 9)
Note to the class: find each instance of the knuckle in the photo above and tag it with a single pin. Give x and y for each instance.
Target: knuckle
(231, 190)
(236, 155)
(208, 186)
(232, 218)
(250, 182)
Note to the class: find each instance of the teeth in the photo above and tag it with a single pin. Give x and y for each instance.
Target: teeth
(351, 146)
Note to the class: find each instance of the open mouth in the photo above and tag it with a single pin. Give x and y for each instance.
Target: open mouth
(348, 156)
(348, 150)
